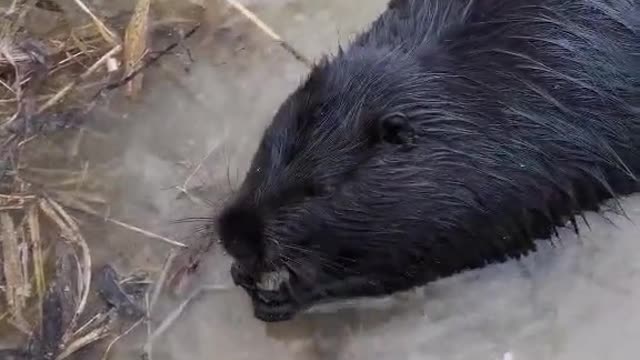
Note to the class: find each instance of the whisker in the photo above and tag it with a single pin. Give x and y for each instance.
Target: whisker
(292, 265)
(191, 220)
(324, 261)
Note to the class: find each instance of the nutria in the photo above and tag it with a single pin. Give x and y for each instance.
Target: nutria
(448, 136)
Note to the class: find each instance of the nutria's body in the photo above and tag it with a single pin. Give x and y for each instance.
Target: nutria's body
(448, 136)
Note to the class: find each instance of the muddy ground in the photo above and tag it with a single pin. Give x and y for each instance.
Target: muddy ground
(577, 300)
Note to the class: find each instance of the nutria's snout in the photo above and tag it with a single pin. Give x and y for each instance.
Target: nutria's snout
(270, 288)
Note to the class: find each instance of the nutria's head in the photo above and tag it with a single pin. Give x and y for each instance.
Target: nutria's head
(336, 202)
(323, 210)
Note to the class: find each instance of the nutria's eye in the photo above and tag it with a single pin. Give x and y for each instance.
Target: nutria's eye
(395, 128)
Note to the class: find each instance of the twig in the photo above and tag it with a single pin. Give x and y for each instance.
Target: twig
(108, 35)
(175, 314)
(89, 211)
(193, 173)
(267, 30)
(25, 141)
(18, 91)
(97, 318)
(16, 294)
(33, 223)
(91, 337)
(17, 207)
(145, 64)
(135, 44)
(157, 289)
(194, 198)
(148, 351)
(150, 303)
(13, 7)
(6, 86)
(66, 89)
(200, 164)
(105, 356)
(79, 240)
(17, 197)
(71, 232)
(145, 232)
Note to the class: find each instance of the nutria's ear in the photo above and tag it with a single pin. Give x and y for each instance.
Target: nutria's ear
(240, 230)
(395, 128)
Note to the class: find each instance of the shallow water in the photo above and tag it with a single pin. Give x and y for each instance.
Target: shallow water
(577, 300)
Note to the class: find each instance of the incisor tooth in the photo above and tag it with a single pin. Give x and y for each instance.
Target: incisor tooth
(271, 281)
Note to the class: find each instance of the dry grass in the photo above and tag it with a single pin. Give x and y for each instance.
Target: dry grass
(45, 82)
(136, 45)
(48, 83)
(17, 288)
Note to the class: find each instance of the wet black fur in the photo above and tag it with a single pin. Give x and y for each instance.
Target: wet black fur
(448, 136)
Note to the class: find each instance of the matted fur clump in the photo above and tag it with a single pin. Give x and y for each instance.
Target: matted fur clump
(450, 135)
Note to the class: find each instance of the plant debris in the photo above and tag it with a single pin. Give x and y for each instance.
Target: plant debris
(51, 78)
(50, 81)
(135, 45)
(53, 325)
(17, 289)
(109, 287)
(14, 354)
